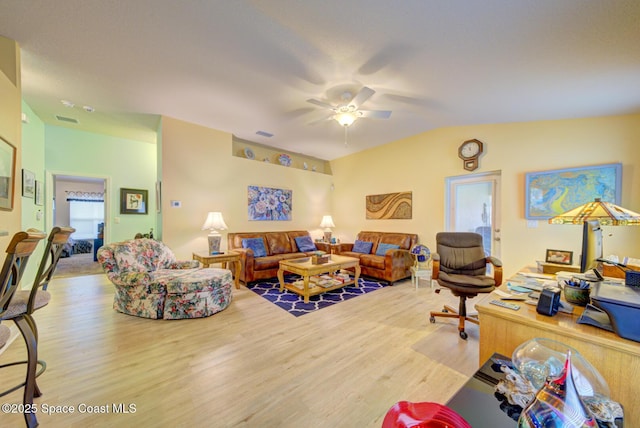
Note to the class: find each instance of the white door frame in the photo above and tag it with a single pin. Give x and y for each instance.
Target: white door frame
(493, 177)
(49, 195)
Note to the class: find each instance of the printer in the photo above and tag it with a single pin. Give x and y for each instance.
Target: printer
(622, 304)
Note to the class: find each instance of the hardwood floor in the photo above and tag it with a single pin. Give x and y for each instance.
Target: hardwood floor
(252, 365)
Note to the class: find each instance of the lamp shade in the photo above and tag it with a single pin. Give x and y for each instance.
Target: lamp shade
(214, 221)
(606, 213)
(327, 222)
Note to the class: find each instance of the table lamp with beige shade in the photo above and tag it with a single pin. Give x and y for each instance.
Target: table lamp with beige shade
(327, 224)
(214, 222)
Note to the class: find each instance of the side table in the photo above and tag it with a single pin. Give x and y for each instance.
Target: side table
(416, 274)
(223, 258)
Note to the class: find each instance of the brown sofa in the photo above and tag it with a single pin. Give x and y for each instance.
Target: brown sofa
(278, 246)
(394, 265)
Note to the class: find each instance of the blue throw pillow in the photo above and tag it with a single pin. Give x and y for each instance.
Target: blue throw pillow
(363, 247)
(257, 245)
(382, 248)
(305, 243)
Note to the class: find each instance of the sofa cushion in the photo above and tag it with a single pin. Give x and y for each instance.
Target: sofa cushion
(278, 243)
(363, 247)
(305, 243)
(383, 247)
(372, 261)
(273, 262)
(403, 240)
(255, 244)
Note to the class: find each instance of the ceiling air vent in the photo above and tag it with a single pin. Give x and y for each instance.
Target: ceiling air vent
(66, 119)
(264, 134)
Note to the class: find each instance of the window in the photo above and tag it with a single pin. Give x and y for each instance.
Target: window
(85, 214)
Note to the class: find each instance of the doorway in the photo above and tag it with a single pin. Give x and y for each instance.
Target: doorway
(79, 202)
(473, 205)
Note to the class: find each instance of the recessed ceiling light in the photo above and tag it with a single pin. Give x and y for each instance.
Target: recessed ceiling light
(67, 103)
(89, 109)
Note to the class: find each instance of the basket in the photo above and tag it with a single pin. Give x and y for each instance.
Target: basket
(319, 260)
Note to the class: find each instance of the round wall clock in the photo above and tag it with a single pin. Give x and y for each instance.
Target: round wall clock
(469, 152)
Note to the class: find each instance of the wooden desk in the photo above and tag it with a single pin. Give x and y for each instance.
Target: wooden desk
(617, 359)
(209, 259)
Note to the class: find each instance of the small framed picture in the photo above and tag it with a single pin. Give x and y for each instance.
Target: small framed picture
(28, 184)
(39, 193)
(133, 201)
(560, 257)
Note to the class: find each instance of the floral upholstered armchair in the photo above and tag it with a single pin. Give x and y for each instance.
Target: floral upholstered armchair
(151, 283)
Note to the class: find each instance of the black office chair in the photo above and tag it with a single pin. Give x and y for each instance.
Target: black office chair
(460, 265)
(19, 250)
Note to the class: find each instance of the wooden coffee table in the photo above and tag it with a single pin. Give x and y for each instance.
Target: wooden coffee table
(306, 269)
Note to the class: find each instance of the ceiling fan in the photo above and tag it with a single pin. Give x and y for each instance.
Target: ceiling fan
(348, 110)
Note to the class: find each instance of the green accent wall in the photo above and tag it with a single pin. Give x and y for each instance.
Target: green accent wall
(121, 162)
(33, 216)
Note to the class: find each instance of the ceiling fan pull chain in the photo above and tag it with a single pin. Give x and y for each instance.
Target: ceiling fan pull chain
(345, 135)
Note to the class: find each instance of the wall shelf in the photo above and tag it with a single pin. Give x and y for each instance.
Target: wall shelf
(260, 153)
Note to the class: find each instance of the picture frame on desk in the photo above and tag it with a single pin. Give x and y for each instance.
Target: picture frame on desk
(553, 192)
(560, 257)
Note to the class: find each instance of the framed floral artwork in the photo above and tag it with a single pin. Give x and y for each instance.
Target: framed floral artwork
(269, 204)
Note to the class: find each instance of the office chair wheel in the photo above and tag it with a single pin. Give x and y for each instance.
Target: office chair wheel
(463, 335)
(432, 319)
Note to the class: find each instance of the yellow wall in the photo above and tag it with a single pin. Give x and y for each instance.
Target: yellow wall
(199, 170)
(421, 163)
(10, 129)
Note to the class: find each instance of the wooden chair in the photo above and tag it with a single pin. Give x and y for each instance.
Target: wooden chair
(19, 250)
(461, 266)
(25, 302)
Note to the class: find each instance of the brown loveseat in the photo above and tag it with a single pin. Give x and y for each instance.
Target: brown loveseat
(394, 265)
(277, 245)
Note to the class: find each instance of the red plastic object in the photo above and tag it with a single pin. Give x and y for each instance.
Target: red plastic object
(405, 414)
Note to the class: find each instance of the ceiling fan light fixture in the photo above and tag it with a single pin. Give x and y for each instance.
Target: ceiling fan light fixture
(345, 119)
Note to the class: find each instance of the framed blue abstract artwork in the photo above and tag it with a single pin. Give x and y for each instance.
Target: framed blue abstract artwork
(270, 204)
(550, 193)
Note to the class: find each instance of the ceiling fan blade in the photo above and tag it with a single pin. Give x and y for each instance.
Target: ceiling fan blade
(362, 96)
(321, 103)
(322, 119)
(376, 114)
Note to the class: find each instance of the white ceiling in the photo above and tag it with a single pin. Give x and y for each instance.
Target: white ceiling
(248, 66)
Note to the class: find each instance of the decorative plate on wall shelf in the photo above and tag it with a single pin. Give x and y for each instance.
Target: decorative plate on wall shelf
(284, 159)
(305, 166)
(249, 153)
(266, 160)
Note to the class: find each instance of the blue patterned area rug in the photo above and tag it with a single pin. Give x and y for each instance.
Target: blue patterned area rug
(294, 304)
